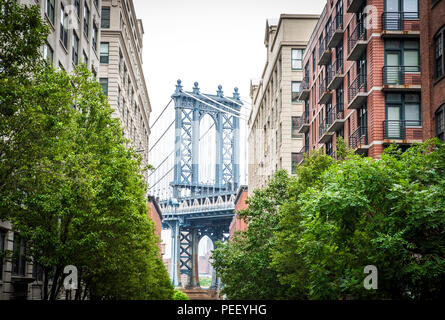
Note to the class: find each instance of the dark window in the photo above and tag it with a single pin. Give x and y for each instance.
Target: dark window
(48, 53)
(94, 44)
(295, 90)
(63, 26)
(295, 123)
(37, 271)
(19, 256)
(50, 10)
(75, 48)
(2, 250)
(439, 61)
(77, 6)
(104, 83)
(104, 52)
(440, 123)
(105, 18)
(313, 61)
(86, 20)
(294, 163)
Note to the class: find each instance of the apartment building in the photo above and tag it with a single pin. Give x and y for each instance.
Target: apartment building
(74, 38)
(432, 59)
(362, 77)
(107, 37)
(121, 74)
(274, 142)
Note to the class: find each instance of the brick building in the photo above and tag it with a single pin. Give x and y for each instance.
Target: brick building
(238, 224)
(432, 39)
(155, 214)
(362, 77)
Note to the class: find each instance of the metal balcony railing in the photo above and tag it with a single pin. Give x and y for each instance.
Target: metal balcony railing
(356, 86)
(304, 119)
(336, 113)
(401, 75)
(322, 47)
(359, 137)
(335, 32)
(337, 66)
(358, 34)
(403, 129)
(354, 5)
(323, 127)
(397, 21)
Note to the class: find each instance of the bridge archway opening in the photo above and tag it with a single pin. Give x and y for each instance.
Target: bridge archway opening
(207, 150)
(205, 269)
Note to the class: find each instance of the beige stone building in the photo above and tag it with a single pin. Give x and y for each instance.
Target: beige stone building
(107, 36)
(274, 142)
(120, 71)
(74, 38)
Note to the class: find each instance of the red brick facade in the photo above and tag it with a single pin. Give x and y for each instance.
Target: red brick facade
(240, 204)
(155, 214)
(368, 81)
(432, 15)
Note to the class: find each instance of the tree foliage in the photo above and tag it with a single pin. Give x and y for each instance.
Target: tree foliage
(68, 183)
(335, 218)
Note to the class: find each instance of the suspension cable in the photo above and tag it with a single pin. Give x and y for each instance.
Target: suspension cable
(161, 178)
(151, 127)
(159, 139)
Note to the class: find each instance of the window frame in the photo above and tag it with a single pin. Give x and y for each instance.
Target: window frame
(104, 57)
(75, 48)
(51, 14)
(297, 59)
(86, 20)
(63, 26)
(295, 99)
(102, 16)
(102, 83)
(439, 35)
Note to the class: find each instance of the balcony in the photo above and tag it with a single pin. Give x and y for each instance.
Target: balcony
(400, 24)
(304, 124)
(304, 89)
(354, 5)
(324, 95)
(357, 42)
(405, 78)
(358, 140)
(323, 133)
(336, 117)
(357, 92)
(402, 131)
(335, 35)
(336, 74)
(300, 154)
(324, 53)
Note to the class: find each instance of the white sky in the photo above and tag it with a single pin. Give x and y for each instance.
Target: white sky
(209, 41)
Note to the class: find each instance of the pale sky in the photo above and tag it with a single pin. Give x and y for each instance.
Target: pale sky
(208, 41)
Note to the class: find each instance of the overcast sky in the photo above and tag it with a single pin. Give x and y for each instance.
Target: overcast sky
(208, 41)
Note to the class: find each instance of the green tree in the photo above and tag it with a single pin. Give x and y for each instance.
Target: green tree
(244, 264)
(69, 185)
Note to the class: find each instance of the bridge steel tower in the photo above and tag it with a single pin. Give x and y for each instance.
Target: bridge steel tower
(200, 209)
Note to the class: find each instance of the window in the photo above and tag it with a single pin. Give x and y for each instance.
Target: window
(77, 6)
(439, 61)
(105, 18)
(50, 10)
(85, 58)
(75, 48)
(63, 26)
(295, 91)
(403, 107)
(440, 122)
(37, 271)
(294, 163)
(313, 61)
(94, 44)
(104, 83)
(19, 256)
(104, 52)
(48, 53)
(86, 20)
(118, 97)
(2, 250)
(295, 123)
(120, 61)
(297, 59)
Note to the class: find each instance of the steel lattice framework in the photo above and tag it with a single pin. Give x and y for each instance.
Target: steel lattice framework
(198, 209)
